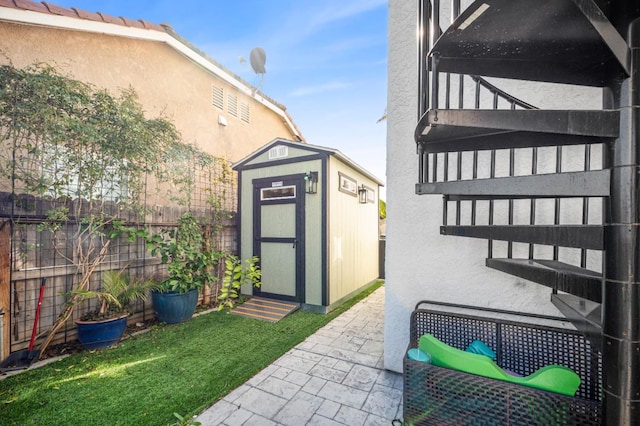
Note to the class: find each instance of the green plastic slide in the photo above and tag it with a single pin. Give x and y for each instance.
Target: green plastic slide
(553, 378)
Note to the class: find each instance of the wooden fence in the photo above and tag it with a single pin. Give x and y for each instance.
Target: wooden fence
(29, 254)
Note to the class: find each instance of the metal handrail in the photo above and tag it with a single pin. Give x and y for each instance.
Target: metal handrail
(428, 89)
(429, 96)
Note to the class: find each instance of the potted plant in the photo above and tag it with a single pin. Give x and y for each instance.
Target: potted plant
(235, 276)
(81, 156)
(105, 325)
(189, 266)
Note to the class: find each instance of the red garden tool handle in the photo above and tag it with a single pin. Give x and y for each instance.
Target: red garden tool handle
(35, 322)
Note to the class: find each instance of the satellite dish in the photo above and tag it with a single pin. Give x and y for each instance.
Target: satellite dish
(258, 57)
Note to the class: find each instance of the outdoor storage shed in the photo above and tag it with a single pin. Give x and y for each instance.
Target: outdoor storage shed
(311, 216)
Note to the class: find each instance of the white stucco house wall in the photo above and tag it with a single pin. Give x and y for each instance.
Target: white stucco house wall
(420, 263)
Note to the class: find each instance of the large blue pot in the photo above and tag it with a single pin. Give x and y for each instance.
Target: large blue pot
(172, 308)
(101, 334)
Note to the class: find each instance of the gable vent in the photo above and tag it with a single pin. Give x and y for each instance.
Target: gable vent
(279, 151)
(244, 112)
(232, 104)
(217, 97)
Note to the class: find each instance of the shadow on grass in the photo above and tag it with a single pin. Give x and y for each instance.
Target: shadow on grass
(143, 380)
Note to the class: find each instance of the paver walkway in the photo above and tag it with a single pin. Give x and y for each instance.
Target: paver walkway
(334, 377)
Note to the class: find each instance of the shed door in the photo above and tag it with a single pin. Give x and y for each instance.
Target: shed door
(279, 236)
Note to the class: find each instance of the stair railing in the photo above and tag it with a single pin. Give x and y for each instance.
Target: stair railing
(471, 92)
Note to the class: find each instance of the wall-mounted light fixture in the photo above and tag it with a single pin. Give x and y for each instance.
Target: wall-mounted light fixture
(362, 194)
(311, 182)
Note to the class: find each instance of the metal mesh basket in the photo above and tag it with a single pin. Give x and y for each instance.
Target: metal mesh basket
(441, 396)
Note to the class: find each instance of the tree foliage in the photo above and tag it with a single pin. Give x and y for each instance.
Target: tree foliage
(88, 154)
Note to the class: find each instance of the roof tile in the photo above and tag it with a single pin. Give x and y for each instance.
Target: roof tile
(131, 23)
(31, 5)
(59, 10)
(111, 19)
(52, 9)
(89, 16)
(151, 26)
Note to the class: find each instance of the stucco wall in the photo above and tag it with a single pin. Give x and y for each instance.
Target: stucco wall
(165, 81)
(420, 263)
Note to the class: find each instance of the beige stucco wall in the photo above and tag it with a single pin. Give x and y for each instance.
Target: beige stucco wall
(166, 82)
(352, 234)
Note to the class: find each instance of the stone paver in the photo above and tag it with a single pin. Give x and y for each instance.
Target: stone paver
(335, 377)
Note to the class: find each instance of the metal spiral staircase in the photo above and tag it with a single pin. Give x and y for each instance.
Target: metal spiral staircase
(471, 135)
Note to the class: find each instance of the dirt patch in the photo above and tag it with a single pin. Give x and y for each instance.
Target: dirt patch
(74, 347)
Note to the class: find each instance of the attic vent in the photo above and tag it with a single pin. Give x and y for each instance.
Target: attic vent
(279, 151)
(232, 104)
(217, 97)
(244, 112)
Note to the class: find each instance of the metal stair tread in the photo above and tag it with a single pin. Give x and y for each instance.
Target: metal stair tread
(560, 41)
(575, 236)
(459, 125)
(584, 314)
(573, 184)
(558, 275)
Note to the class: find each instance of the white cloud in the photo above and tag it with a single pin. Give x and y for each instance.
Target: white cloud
(341, 10)
(313, 90)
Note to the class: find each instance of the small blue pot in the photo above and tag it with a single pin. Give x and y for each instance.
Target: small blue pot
(172, 308)
(101, 334)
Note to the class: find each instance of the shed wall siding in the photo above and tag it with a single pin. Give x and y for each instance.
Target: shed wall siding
(353, 235)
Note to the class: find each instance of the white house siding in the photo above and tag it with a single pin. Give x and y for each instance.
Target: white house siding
(422, 264)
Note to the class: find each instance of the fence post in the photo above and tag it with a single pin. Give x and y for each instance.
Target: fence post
(5, 286)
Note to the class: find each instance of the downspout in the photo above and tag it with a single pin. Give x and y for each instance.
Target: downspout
(621, 288)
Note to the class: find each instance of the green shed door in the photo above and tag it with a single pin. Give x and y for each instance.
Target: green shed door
(279, 236)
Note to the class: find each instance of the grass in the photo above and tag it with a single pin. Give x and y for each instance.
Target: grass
(182, 368)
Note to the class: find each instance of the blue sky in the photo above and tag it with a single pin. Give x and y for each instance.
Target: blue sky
(326, 59)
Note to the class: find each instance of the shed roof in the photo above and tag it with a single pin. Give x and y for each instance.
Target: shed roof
(51, 15)
(239, 165)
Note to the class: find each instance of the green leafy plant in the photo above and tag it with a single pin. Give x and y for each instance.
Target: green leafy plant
(85, 157)
(119, 291)
(185, 421)
(235, 276)
(182, 249)
(84, 153)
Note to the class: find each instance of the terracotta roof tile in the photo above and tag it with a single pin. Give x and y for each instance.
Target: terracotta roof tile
(131, 23)
(58, 10)
(53, 9)
(111, 19)
(151, 26)
(31, 5)
(89, 16)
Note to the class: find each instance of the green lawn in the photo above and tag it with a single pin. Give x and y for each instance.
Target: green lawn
(182, 368)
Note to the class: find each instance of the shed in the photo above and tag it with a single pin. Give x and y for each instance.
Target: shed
(311, 216)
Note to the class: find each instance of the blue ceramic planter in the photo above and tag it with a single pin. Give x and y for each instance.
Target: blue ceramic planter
(101, 334)
(172, 308)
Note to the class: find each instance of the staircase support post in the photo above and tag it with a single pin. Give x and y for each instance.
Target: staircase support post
(621, 290)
